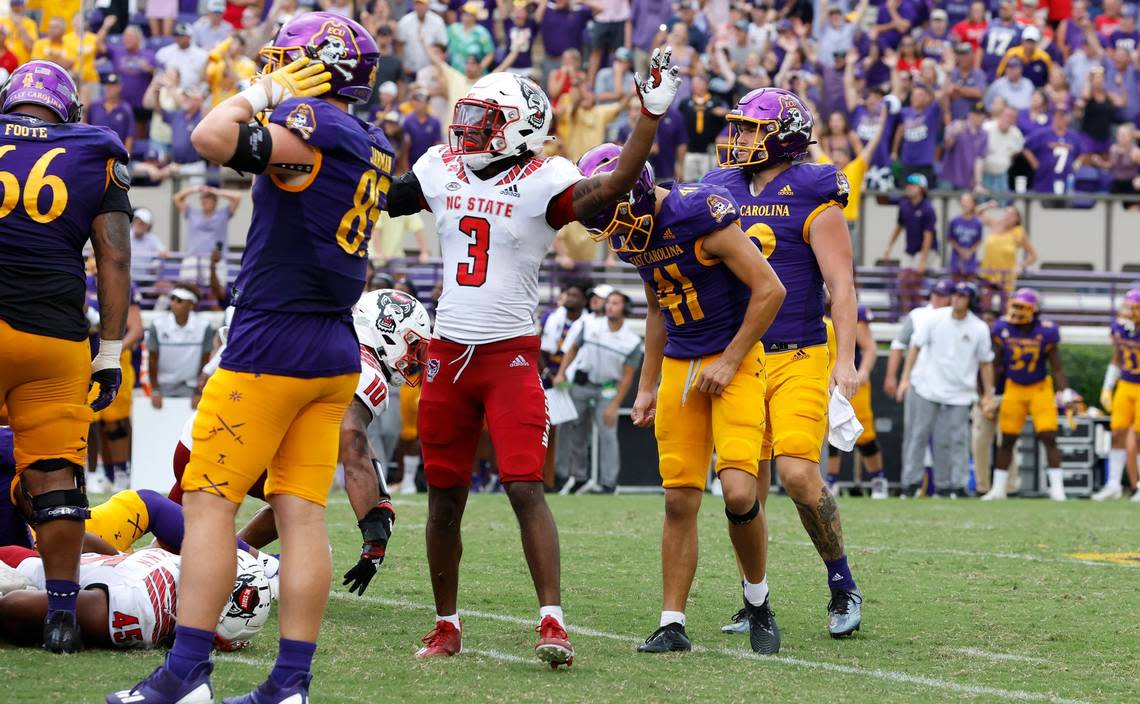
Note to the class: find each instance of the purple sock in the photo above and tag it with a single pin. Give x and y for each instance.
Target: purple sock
(113, 467)
(164, 519)
(62, 594)
(832, 479)
(874, 475)
(191, 648)
(293, 657)
(838, 576)
(242, 545)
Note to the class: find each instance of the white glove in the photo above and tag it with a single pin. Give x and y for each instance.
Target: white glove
(1069, 397)
(659, 89)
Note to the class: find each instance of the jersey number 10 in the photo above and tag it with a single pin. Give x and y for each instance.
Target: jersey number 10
(37, 181)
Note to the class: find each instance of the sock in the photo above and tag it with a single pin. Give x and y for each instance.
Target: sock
(411, 465)
(838, 575)
(555, 611)
(1116, 460)
(453, 619)
(755, 594)
(668, 617)
(191, 648)
(242, 545)
(832, 479)
(1056, 477)
(1000, 480)
(62, 594)
(294, 657)
(872, 476)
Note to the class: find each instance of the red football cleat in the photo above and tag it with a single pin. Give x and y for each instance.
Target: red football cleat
(444, 640)
(553, 644)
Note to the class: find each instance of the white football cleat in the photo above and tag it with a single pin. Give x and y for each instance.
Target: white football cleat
(879, 488)
(995, 494)
(568, 487)
(1135, 497)
(1057, 493)
(97, 483)
(1108, 492)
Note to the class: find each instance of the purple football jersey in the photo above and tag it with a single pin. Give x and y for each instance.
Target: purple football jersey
(1055, 155)
(779, 221)
(1126, 339)
(305, 256)
(964, 232)
(1025, 349)
(61, 177)
(701, 300)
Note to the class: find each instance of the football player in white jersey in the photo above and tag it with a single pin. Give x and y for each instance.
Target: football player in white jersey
(125, 601)
(498, 204)
(393, 329)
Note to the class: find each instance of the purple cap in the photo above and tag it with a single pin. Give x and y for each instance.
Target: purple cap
(942, 287)
(42, 83)
(345, 48)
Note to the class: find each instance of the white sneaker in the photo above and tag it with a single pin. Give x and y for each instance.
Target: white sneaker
(1057, 493)
(1108, 492)
(879, 488)
(1135, 497)
(589, 487)
(122, 481)
(408, 487)
(97, 483)
(995, 494)
(568, 487)
(717, 487)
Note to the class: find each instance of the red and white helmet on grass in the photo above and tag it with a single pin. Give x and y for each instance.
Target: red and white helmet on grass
(397, 327)
(502, 116)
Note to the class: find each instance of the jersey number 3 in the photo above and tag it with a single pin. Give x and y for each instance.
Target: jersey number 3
(37, 181)
(473, 271)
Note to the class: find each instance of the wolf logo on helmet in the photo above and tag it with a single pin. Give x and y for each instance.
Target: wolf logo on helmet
(395, 307)
(535, 100)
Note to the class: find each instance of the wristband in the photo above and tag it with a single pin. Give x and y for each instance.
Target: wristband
(257, 97)
(108, 356)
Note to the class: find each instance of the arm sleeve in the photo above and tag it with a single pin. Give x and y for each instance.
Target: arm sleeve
(921, 334)
(406, 197)
(115, 198)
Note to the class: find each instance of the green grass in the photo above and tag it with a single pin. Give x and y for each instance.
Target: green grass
(940, 577)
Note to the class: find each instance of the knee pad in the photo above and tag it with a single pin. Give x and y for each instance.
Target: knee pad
(798, 444)
(869, 449)
(116, 429)
(743, 519)
(60, 504)
(738, 453)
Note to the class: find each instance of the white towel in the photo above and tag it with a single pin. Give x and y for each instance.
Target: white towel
(560, 405)
(845, 427)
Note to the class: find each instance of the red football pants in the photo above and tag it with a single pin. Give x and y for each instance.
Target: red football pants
(464, 384)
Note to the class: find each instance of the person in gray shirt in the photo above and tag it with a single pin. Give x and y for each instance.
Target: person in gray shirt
(1014, 87)
(207, 227)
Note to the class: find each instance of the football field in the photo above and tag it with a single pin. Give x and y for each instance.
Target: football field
(964, 602)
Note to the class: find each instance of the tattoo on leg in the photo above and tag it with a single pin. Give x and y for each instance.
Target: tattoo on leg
(822, 525)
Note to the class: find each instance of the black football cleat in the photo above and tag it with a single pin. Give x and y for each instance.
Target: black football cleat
(61, 633)
(763, 633)
(738, 624)
(670, 638)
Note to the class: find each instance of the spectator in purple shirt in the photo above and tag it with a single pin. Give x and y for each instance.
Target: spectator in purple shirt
(935, 40)
(1125, 37)
(1036, 116)
(917, 137)
(917, 219)
(1071, 32)
(421, 128)
(520, 32)
(964, 150)
(648, 16)
(562, 25)
(896, 18)
(966, 83)
(113, 113)
(1002, 35)
(963, 237)
(1053, 155)
(134, 64)
(182, 122)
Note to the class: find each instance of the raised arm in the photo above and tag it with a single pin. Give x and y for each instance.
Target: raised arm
(656, 93)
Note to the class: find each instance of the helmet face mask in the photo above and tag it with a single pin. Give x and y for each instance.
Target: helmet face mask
(628, 225)
(479, 127)
(501, 117)
(397, 328)
(1023, 307)
(768, 126)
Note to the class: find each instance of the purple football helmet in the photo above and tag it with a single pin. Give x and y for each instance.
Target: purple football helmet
(768, 126)
(628, 224)
(345, 48)
(1131, 307)
(45, 84)
(1023, 306)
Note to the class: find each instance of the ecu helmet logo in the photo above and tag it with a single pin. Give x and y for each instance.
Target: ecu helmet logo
(330, 46)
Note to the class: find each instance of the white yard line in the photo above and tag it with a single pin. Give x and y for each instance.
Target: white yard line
(980, 554)
(1002, 657)
(890, 675)
(498, 655)
(243, 659)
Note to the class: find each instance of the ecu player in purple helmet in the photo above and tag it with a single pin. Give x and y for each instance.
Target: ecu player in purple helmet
(292, 360)
(793, 211)
(64, 182)
(1120, 394)
(711, 296)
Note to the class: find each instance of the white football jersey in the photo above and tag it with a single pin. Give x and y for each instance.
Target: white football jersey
(493, 236)
(142, 592)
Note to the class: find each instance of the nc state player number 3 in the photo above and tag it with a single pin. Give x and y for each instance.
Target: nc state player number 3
(473, 272)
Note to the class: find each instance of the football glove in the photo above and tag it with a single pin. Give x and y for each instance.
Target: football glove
(105, 372)
(658, 90)
(376, 529)
(299, 79)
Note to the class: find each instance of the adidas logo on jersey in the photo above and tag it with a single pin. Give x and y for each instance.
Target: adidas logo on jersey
(511, 190)
(668, 235)
(519, 361)
(800, 354)
(785, 191)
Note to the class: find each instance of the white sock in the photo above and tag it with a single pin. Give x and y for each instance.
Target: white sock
(1056, 477)
(453, 619)
(411, 464)
(1116, 459)
(555, 611)
(1001, 479)
(755, 594)
(668, 617)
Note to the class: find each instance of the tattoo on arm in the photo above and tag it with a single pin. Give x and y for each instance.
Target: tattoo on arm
(111, 240)
(589, 197)
(822, 525)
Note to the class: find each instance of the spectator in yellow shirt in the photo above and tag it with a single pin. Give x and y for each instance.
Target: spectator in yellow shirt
(22, 32)
(87, 46)
(582, 123)
(228, 66)
(54, 46)
(1003, 243)
(63, 9)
